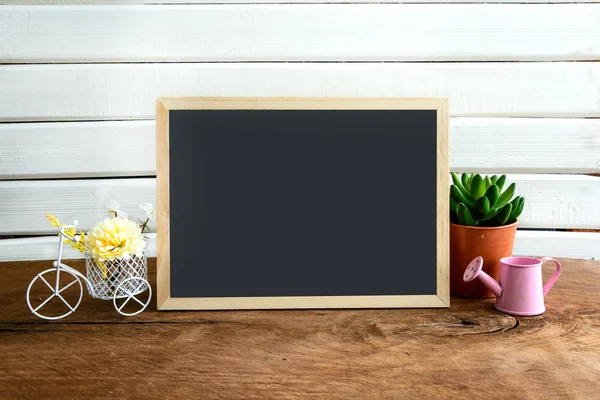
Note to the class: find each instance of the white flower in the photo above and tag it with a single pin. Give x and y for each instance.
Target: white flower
(149, 209)
(113, 207)
(115, 238)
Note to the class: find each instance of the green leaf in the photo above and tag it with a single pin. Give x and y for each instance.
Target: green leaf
(494, 179)
(460, 186)
(477, 187)
(500, 182)
(482, 207)
(516, 212)
(453, 205)
(492, 194)
(464, 216)
(491, 214)
(464, 178)
(487, 182)
(515, 202)
(460, 197)
(506, 195)
(502, 215)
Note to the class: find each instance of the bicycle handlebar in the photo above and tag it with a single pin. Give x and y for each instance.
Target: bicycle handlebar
(62, 230)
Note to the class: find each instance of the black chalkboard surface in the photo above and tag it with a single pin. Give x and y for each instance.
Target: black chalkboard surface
(302, 203)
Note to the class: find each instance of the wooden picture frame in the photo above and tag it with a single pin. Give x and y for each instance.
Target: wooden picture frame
(164, 300)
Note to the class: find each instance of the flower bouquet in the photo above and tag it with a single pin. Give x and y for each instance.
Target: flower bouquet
(114, 249)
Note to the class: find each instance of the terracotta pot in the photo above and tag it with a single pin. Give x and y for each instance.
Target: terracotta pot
(468, 242)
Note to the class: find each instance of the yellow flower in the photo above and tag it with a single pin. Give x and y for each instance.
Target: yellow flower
(80, 244)
(103, 268)
(53, 220)
(70, 232)
(115, 238)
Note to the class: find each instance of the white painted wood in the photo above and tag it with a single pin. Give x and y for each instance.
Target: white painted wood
(529, 243)
(127, 148)
(25, 203)
(525, 145)
(127, 91)
(77, 149)
(558, 244)
(553, 201)
(300, 32)
(46, 248)
(559, 201)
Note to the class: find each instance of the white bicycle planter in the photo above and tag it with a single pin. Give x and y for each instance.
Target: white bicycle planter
(124, 282)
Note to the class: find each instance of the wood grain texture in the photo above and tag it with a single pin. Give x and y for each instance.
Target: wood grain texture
(561, 244)
(553, 201)
(442, 207)
(77, 149)
(127, 148)
(25, 203)
(584, 245)
(324, 32)
(467, 351)
(127, 91)
(163, 207)
(525, 145)
(302, 103)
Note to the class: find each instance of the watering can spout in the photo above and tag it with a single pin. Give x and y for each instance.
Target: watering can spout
(474, 270)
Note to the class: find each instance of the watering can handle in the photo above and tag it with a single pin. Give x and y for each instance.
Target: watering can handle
(549, 284)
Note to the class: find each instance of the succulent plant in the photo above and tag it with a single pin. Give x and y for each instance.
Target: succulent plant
(480, 201)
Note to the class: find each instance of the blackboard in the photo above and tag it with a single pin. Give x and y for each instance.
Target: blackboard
(302, 203)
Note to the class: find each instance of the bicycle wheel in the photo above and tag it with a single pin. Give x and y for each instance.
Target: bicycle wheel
(131, 298)
(54, 297)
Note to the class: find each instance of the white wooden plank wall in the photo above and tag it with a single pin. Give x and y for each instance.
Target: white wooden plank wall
(553, 201)
(127, 91)
(79, 78)
(303, 32)
(127, 148)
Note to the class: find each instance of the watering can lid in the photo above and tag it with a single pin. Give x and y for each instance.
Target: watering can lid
(473, 269)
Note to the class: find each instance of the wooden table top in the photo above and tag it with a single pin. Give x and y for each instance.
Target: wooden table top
(467, 351)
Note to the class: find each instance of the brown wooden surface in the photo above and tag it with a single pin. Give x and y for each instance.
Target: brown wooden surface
(467, 351)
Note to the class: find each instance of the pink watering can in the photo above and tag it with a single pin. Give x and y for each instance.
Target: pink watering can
(520, 291)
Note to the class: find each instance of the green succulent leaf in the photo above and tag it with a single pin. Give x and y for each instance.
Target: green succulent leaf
(506, 195)
(500, 182)
(464, 178)
(502, 215)
(516, 212)
(491, 214)
(464, 216)
(487, 181)
(459, 185)
(477, 187)
(482, 207)
(494, 179)
(492, 194)
(515, 202)
(460, 197)
(453, 205)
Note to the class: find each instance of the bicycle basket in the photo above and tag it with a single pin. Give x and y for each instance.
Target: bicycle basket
(106, 276)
